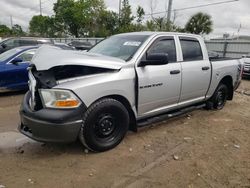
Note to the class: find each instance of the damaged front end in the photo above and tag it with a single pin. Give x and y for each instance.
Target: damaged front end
(52, 66)
(47, 79)
(50, 113)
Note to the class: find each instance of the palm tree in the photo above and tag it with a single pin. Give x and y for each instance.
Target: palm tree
(199, 23)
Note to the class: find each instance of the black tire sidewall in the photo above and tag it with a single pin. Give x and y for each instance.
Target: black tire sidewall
(224, 89)
(105, 106)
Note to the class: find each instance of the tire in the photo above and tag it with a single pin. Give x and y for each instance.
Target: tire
(219, 98)
(105, 124)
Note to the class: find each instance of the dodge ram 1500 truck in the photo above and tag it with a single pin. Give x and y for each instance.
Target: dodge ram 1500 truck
(124, 82)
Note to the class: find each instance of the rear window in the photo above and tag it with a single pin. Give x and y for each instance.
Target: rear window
(191, 49)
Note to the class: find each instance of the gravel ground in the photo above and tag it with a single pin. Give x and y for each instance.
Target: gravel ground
(199, 149)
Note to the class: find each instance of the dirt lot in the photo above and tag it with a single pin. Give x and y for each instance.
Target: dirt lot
(200, 149)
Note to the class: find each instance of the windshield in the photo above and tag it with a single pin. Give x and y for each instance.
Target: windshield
(4, 56)
(120, 46)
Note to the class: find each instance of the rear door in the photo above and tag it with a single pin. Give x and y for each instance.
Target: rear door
(196, 70)
(159, 85)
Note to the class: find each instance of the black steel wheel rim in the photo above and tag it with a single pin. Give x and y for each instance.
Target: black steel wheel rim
(106, 127)
(221, 98)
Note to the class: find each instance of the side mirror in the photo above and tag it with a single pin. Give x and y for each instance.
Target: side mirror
(155, 59)
(16, 61)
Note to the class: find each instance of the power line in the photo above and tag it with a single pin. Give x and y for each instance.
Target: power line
(192, 7)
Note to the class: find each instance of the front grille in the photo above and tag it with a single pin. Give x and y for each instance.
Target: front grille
(246, 65)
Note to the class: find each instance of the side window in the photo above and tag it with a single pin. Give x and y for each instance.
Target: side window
(27, 56)
(191, 49)
(27, 42)
(165, 46)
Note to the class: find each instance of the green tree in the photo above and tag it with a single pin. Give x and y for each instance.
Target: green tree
(199, 23)
(79, 17)
(44, 26)
(126, 17)
(150, 25)
(38, 25)
(108, 24)
(140, 13)
(4, 31)
(139, 18)
(17, 30)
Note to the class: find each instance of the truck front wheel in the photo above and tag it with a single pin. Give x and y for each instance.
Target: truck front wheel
(105, 124)
(219, 98)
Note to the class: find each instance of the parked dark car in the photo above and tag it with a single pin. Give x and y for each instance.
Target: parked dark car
(13, 68)
(78, 45)
(10, 43)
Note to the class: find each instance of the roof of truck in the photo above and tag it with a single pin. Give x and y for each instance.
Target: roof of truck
(151, 33)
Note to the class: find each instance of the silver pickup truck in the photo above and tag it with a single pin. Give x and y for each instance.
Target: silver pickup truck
(124, 82)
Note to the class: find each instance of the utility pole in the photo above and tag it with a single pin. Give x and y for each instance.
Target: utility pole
(40, 3)
(11, 21)
(170, 3)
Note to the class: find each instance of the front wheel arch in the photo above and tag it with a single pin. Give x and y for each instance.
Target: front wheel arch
(105, 124)
(125, 102)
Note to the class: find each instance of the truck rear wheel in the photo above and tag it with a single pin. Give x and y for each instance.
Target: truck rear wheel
(219, 98)
(105, 124)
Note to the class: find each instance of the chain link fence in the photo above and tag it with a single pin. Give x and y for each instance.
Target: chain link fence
(93, 41)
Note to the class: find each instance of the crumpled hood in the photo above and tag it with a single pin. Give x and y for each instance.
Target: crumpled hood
(47, 57)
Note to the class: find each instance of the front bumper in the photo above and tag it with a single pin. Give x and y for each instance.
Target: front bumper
(50, 125)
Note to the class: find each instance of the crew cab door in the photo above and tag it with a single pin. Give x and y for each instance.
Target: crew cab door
(159, 85)
(196, 70)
